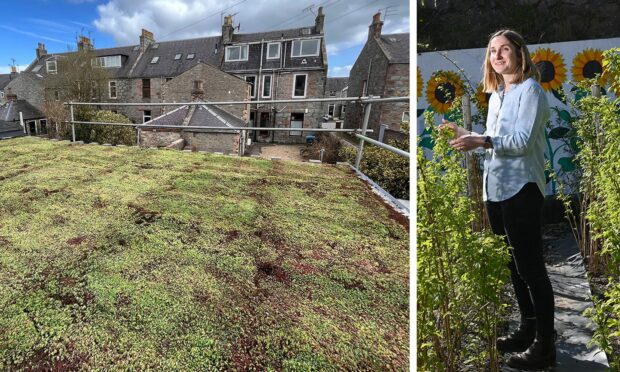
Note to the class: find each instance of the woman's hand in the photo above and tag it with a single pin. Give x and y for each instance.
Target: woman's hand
(467, 142)
(460, 131)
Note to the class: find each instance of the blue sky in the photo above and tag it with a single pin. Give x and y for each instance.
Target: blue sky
(57, 23)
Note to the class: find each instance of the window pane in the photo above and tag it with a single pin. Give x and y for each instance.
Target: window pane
(300, 86)
(296, 48)
(273, 50)
(233, 53)
(309, 47)
(267, 86)
(244, 52)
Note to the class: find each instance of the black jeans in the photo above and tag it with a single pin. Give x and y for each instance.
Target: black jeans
(520, 220)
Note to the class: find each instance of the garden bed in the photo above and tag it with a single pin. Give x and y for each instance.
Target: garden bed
(125, 258)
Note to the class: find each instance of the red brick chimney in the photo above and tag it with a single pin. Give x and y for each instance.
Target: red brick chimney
(84, 43)
(319, 21)
(374, 31)
(146, 39)
(227, 30)
(41, 51)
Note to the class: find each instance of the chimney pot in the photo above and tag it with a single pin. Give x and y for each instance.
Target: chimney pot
(84, 43)
(40, 51)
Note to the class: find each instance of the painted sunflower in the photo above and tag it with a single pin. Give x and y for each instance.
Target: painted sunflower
(588, 64)
(482, 98)
(442, 89)
(552, 68)
(420, 83)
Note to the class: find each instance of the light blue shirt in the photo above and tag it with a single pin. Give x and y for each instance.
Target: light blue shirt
(516, 125)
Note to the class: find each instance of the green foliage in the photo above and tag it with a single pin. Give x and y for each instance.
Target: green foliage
(133, 259)
(115, 135)
(387, 169)
(460, 272)
(596, 221)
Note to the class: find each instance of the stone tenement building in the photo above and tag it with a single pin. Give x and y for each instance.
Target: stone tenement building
(283, 64)
(381, 69)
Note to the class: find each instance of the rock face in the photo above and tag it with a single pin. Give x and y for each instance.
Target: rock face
(441, 23)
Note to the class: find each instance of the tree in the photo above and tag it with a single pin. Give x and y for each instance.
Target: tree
(77, 79)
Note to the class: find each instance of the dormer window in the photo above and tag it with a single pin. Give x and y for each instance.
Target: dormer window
(107, 61)
(191, 56)
(177, 56)
(155, 60)
(236, 53)
(50, 66)
(273, 50)
(305, 48)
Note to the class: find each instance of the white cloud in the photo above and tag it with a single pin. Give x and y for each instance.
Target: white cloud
(339, 71)
(346, 21)
(37, 36)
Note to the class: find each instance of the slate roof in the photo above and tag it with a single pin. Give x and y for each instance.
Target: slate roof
(207, 49)
(336, 84)
(10, 129)
(202, 116)
(395, 47)
(11, 109)
(4, 80)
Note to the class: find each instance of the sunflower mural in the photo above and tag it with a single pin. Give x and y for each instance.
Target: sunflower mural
(588, 64)
(420, 83)
(441, 90)
(552, 68)
(482, 98)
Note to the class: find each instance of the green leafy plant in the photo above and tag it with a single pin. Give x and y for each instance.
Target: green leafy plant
(115, 135)
(460, 271)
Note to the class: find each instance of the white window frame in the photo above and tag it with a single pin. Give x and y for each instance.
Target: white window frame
(305, 86)
(241, 47)
(49, 69)
(263, 86)
(144, 116)
(115, 96)
(402, 119)
(107, 61)
(277, 55)
(255, 88)
(302, 41)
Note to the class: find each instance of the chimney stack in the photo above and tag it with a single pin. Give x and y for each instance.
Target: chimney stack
(84, 43)
(319, 21)
(227, 30)
(146, 39)
(10, 96)
(374, 31)
(41, 51)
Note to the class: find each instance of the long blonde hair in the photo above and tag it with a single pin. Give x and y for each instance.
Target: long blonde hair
(491, 79)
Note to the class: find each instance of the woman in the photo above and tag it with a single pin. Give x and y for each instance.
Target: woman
(513, 187)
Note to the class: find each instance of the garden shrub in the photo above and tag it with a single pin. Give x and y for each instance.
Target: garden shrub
(115, 135)
(387, 169)
(598, 131)
(461, 272)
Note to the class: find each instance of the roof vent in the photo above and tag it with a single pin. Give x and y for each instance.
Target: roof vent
(155, 46)
(136, 48)
(306, 31)
(304, 61)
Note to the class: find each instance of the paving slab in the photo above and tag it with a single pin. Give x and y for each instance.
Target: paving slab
(572, 297)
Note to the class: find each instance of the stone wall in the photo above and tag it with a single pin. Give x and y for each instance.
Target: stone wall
(396, 85)
(29, 87)
(158, 137)
(227, 143)
(217, 86)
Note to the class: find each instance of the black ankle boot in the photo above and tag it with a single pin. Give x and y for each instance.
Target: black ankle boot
(520, 339)
(540, 355)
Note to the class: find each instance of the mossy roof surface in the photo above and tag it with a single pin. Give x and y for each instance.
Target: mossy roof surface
(117, 258)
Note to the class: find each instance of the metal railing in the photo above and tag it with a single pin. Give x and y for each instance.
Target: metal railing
(359, 133)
